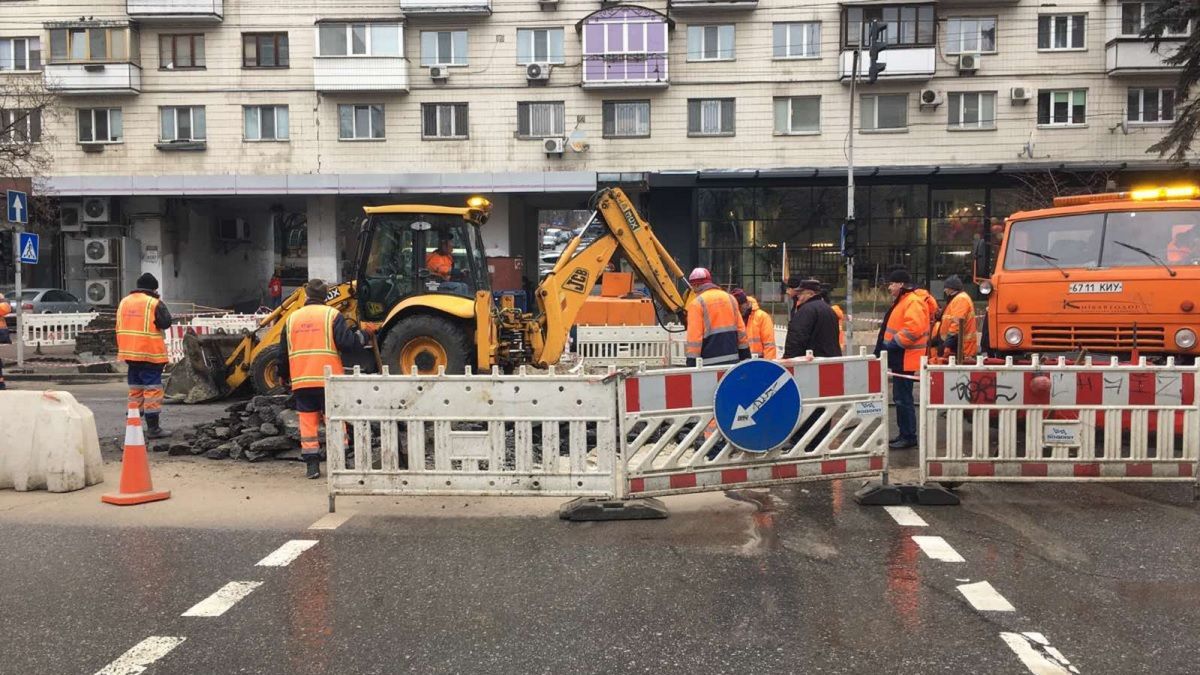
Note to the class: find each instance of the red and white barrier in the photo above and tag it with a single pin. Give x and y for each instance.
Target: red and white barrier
(54, 329)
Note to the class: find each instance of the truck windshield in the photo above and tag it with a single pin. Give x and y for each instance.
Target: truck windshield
(1105, 240)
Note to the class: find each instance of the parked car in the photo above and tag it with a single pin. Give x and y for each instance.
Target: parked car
(549, 241)
(44, 301)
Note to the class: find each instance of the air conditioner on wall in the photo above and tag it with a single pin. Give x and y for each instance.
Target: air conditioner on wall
(97, 210)
(537, 71)
(1020, 94)
(99, 291)
(553, 146)
(98, 252)
(69, 218)
(968, 63)
(439, 73)
(930, 98)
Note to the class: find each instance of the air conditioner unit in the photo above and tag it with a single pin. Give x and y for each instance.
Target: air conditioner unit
(99, 291)
(547, 3)
(1020, 94)
(968, 63)
(98, 251)
(537, 71)
(68, 218)
(233, 229)
(930, 98)
(440, 73)
(553, 146)
(97, 210)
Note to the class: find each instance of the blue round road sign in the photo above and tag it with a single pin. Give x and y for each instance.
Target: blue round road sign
(757, 405)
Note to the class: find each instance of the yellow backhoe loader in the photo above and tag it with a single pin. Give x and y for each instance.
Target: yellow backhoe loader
(427, 321)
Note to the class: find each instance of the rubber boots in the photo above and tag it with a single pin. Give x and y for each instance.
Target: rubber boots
(314, 467)
(153, 430)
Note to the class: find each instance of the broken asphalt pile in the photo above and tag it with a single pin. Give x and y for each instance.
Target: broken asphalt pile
(259, 429)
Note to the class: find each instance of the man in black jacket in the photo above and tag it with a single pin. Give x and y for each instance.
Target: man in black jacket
(813, 325)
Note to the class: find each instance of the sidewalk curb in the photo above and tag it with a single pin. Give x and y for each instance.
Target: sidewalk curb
(75, 378)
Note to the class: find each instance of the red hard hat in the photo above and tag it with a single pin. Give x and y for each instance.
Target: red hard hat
(700, 275)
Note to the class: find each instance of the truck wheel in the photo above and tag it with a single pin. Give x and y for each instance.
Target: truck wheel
(264, 372)
(427, 342)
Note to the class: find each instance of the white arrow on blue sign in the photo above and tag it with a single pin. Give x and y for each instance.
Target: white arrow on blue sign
(27, 244)
(18, 207)
(757, 405)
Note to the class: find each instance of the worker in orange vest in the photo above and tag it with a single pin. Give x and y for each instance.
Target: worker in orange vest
(716, 332)
(314, 337)
(826, 289)
(440, 262)
(957, 326)
(141, 319)
(760, 329)
(905, 339)
(5, 310)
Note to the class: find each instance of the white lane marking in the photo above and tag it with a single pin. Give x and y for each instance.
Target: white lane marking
(331, 521)
(1025, 646)
(141, 656)
(905, 516)
(938, 549)
(226, 596)
(985, 598)
(284, 555)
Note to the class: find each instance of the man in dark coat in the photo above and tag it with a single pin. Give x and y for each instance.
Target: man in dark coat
(813, 325)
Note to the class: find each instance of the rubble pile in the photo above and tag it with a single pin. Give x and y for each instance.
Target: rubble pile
(98, 338)
(259, 429)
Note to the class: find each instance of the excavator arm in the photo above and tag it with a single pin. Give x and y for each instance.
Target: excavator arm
(562, 293)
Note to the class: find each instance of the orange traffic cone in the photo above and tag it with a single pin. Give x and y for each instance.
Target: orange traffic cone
(136, 487)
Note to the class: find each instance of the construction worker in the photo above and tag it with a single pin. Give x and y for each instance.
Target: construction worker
(5, 310)
(314, 336)
(716, 332)
(957, 326)
(760, 329)
(813, 325)
(141, 319)
(905, 338)
(826, 289)
(441, 262)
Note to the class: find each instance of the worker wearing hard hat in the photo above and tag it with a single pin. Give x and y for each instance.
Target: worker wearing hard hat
(716, 333)
(5, 309)
(760, 329)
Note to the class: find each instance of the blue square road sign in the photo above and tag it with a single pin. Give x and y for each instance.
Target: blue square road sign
(27, 244)
(18, 207)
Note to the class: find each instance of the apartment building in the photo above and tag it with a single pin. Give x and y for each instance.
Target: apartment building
(244, 136)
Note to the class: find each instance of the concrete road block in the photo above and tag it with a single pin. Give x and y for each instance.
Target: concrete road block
(48, 441)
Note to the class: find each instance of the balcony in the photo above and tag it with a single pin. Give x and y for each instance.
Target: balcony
(625, 46)
(1132, 56)
(903, 63)
(439, 7)
(711, 5)
(176, 10)
(360, 73)
(93, 78)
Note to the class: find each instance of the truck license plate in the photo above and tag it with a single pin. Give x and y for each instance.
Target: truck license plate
(1097, 287)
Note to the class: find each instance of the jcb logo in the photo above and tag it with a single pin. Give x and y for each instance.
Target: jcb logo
(331, 295)
(577, 282)
(631, 219)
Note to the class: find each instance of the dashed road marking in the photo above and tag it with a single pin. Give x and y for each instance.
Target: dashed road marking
(226, 596)
(937, 549)
(905, 516)
(284, 555)
(331, 521)
(141, 656)
(985, 598)
(1039, 657)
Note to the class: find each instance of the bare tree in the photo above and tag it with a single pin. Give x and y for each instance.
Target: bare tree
(1175, 16)
(1038, 189)
(26, 107)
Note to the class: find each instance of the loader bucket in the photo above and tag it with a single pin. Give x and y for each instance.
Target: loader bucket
(201, 375)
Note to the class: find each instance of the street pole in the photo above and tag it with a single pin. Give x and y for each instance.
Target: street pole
(17, 300)
(850, 200)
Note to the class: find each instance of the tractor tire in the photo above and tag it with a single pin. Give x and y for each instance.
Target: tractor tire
(427, 342)
(264, 372)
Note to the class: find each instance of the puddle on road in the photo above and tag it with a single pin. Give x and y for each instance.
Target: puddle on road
(904, 579)
(763, 535)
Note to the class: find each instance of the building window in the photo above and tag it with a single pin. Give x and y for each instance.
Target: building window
(541, 120)
(444, 48)
(1151, 105)
(626, 119)
(99, 125)
(539, 45)
(710, 43)
(798, 115)
(24, 53)
(967, 35)
(181, 123)
(907, 25)
(972, 110)
(711, 117)
(797, 40)
(444, 120)
(19, 125)
(180, 51)
(360, 122)
(265, 122)
(85, 45)
(1061, 31)
(1062, 107)
(1135, 16)
(359, 39)
(884, 112)
(264, 50)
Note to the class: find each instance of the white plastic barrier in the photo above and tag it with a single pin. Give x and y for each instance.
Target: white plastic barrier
(54, 329)
(631, 345)
(49, 442)
(208, 325)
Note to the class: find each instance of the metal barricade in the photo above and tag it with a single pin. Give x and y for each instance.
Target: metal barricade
(229, 323)
(631, 345)
(54, 329)
(1060, 422)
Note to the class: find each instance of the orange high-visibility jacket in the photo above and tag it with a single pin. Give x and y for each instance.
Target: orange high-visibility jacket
(908, 324)
(841, 326)
(311, 346)
(138, 337)
(439, 264)
(960, 307)
(715, 329)
(760, 332)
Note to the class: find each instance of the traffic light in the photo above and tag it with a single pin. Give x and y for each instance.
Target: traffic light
(849, 238)
(875, 35)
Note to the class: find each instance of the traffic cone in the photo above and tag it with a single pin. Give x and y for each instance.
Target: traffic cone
(136, 487)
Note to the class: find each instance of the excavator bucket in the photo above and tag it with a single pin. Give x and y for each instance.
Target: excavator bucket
(201, 375)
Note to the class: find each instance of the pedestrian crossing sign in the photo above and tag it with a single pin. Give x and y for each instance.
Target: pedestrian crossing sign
(27, 244)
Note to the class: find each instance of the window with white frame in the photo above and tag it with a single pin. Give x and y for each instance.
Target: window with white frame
(19, 125)
(884, 112)
(265, 122)
(971, 110)
(1135, 16)
(359, 39)
(710, 43)
(99, 125)
(539, 45)
(797, 115)
(360, 122)
(1061, 31)
(1062, 107)
(181, 123)
(974, 34)
(21, 53)
(626, 119)
(1150, 104)
(541, 119)
(444, 48)
(444, 120)
(800, 40)
(711, 117)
